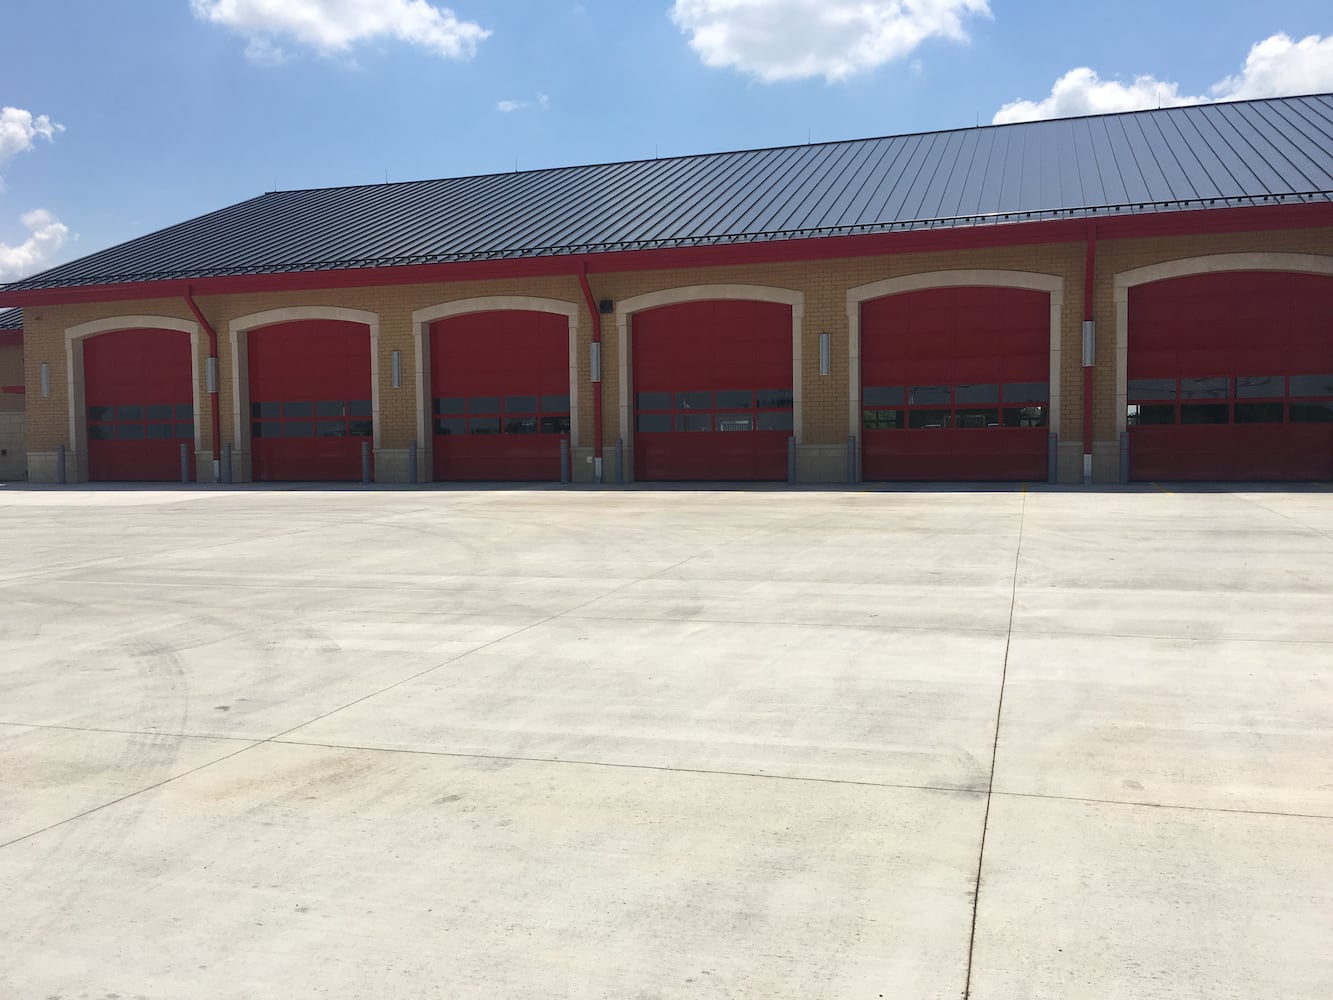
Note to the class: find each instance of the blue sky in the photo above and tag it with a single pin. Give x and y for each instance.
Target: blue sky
(121, 118)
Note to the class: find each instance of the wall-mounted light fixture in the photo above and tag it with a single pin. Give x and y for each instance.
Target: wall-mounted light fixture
(825, 353)
(1089, 343)
(46, 379)
(396, 368)
(211, 375)
(596, 362)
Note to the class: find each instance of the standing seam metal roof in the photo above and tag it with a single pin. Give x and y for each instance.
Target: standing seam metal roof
(1204, 156)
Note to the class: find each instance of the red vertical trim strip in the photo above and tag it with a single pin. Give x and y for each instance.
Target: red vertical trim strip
(213, 355)
(597, 386)
(1089, 275)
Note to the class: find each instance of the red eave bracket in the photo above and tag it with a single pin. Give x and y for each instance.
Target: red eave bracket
(1071, 230)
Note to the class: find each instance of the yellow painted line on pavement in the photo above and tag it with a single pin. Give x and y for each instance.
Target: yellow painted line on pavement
(1158, 486)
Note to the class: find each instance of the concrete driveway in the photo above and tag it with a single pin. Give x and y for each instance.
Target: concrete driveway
(648, 744)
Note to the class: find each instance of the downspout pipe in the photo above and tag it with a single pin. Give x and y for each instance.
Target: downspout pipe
(1089, 347)
(596, 375)
(212, 378)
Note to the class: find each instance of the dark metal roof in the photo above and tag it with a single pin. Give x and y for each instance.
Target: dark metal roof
(11, 319)
(1215, 155)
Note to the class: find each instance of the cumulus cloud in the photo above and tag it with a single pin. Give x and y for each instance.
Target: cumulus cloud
(20, 130)
(47, 235)
(1275, 67)
(1278, 67)
(542, 103)
(333, 26)
(798, 39)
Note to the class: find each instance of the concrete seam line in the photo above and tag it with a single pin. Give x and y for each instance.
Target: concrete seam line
(129, 795)
(621, 765)
(1167, 805)
(995, 748)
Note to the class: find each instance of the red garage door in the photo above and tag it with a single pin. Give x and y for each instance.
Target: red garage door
(712, 391)
(954, 385)
(138, 393)
(500, 382)
(309, 400)
(1231, 378)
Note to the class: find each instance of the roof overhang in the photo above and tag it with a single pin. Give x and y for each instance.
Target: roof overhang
(921, 240)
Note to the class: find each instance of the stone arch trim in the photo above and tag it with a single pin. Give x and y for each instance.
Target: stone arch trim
(1052, 284)
(238, 332)
(74, 337)
(626, 308)
(421, 323)
(1184, 267)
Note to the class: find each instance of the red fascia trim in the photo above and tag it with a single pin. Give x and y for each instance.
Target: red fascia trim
(13, 390)
(1074, 230)
(11, 338)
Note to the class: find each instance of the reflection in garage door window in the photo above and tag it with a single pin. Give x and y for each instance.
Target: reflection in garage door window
(1261, 386)
(883, 406)
(1152, 388)
(694, 422)
(1205, 413)
(780, 420)
(1312, 385)
(1259, 413)
(976, 394)
(291, 418)
(725, 410)
(1204, 388)
(1312, 413)
(517, 414)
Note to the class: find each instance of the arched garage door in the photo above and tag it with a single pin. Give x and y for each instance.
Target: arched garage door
(1230, 377)
(712, 391)
(954, 384)
(140, 411)
(500, 388)
(310, 400)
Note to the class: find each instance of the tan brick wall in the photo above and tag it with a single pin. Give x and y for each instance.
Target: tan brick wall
(824, 284)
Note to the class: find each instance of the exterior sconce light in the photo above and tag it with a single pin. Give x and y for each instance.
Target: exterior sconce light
(1089, 343)
(825, 352)
(46, 379)
(396, 368)
(211, 375)
(596, 362)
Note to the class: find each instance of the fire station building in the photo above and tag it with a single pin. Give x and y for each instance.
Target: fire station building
(1143, 296)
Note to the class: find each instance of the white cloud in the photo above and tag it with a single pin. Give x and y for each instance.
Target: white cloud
(798, 39)
(332, 26)
(1275, 67)
(19, 131)
(1278, 67)
(264, 52)
(542, 102)
(47, 235)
